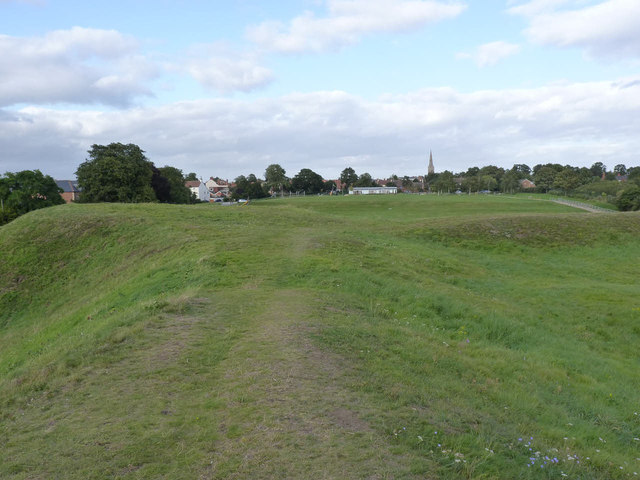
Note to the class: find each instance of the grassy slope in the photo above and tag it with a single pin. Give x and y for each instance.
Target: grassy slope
(320, 338)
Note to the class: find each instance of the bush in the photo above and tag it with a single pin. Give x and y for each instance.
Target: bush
(596, 189)
(629, 199)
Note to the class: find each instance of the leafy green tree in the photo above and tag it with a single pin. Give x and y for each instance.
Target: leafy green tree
(521, 170)
(633, 174)
(116, 173)
(493, 171)
(544, 177)
(308, 181)
(471, 183)
(567, 180)
(275, 177)
(178, 192)
(628, 199)
(445, 182)
(597, 169)
(248, 187)
(330, 186)
(25, 191)
(510, 181)
(620, 169)
(488, 182)
(348, 178)
(191, 177)
(365, 180)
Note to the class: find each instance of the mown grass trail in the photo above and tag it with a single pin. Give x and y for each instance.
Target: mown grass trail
(320, 338)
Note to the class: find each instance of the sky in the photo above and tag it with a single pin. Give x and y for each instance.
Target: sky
(226, 88)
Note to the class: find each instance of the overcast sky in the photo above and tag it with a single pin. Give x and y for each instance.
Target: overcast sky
(224, 88)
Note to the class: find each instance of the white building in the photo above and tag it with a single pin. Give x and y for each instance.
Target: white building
(199, 189)
(373, 190)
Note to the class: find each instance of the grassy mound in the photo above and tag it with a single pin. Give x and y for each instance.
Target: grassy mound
(360, 337)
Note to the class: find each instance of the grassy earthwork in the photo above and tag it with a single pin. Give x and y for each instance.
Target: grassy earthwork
(381, 337)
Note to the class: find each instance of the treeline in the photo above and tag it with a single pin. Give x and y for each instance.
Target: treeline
(305, 181)
(621, 186)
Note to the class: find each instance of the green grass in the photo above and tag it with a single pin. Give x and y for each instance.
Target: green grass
(320, 337)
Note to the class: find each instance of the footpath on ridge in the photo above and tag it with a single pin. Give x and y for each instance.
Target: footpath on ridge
(583, 206)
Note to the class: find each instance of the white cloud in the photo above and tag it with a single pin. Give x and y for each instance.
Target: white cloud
(608, 29)
(220, 69)
(491, 53)
(573, 123)
(80, 65)
(536, 6)
(349, 20)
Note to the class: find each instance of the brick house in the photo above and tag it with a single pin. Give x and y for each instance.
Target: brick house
(526, 184)
(70, 190)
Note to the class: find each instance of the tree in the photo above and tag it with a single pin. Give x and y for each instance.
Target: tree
(544, 177)
(116, 173)
(330, 186)
(191, 177)
(471, 183)
(628, 199)
(597, 169)
(25, 191)
(275, 177)
(445, 182)
(307, 180)
(493, 171)
(633, 173)
(521, 170)
(248, 187)
(567, 180)
(620, 169)
(160, 185)
(348, 177)
(510, 181)
(365, 180)
(488, 182)
(178, 192)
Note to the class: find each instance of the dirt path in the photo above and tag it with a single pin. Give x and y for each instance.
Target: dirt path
(288, 411)
(584, 206)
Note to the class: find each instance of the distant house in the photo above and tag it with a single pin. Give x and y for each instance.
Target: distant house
(199, 189)
(373, 190)
(526, 184)
(622, 178)
(219, 188)
(70, 190)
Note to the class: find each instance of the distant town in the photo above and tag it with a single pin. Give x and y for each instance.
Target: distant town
(122, 173)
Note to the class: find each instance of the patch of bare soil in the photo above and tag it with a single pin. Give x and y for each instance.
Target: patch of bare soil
(297, 417)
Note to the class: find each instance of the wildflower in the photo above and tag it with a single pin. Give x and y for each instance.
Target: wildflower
(420, 438)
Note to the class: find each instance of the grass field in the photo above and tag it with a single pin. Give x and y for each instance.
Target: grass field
(321, 337)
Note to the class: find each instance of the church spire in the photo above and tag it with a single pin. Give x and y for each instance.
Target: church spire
(431, 170)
